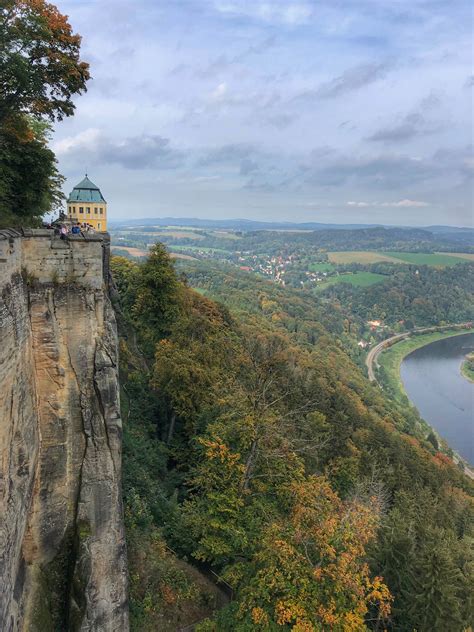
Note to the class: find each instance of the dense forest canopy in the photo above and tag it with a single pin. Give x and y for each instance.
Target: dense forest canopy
(257, 448)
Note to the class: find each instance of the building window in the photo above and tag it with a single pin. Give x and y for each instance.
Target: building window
(81, 209)
(88, 209)
(98, 225)
(96, 210)
(101, 211)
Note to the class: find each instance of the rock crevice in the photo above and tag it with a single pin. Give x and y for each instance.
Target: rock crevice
(62, 545)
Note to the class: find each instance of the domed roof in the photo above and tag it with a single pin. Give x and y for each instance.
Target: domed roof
(86, 191)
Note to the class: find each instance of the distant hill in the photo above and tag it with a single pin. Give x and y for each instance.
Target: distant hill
(458, 237)
(235, 224)
(249, 224)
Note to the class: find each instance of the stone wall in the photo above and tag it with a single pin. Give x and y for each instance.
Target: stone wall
(62, 546)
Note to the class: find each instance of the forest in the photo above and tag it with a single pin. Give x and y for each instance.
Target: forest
(414, 295)
(255, 449)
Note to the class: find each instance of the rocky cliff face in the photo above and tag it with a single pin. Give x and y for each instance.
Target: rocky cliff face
(62, 546)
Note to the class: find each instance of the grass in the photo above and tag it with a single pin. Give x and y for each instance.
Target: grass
(390, 359)
(134, 252)
(360, 279)
(321, 267)
(177, 234)
(437, 259)
(428, 259)
(225, 234)
(177, 255)
(467, 367)
(362, 256)
(197, 248)
(463, 255)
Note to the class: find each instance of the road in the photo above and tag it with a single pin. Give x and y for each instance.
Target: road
(373, 354)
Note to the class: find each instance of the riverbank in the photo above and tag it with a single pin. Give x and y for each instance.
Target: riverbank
(390, 359)
(467, 367)
(388, 375)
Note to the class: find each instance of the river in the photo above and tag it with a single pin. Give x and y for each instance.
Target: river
(445, 399)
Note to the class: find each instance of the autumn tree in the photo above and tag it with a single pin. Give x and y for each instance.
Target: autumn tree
(40, 72)
(310, 571)
(40, 66)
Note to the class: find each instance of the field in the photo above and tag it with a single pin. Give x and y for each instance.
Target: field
(197, 248)
(134, 252)
(177, 255)
(225, 234)
(361, 279)
(364, 256)
(463, 255)
(420, 258)
(436, 259)
(321, 267)
(176, 234)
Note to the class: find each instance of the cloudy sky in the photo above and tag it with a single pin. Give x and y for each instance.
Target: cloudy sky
(309, 110)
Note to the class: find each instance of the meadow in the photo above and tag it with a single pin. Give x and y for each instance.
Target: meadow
(440, 260)
(321, 266)
(436, 259)
(360, 279)
(362, 256)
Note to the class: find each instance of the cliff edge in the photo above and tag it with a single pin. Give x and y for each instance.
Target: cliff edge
(62, 544)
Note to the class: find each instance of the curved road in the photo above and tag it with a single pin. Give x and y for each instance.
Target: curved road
(373, 354)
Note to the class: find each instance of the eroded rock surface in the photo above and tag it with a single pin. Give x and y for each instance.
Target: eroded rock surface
(62, 545)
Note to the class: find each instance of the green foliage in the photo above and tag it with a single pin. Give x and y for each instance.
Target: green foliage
(421, 296)
(40, 72)
(257, 447)
(30, 184)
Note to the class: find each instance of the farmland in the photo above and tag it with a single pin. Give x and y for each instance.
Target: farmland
(359, 279)
(426, 259)
(134, 252)
(417, 258)
(364, 256)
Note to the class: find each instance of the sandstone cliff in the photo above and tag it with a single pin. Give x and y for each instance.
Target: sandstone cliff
(62, 545)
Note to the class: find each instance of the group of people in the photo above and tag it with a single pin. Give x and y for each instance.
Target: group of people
(63, 230)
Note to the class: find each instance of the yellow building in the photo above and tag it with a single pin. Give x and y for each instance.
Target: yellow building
(86, 204)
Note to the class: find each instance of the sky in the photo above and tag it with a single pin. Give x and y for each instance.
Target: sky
(341, 111)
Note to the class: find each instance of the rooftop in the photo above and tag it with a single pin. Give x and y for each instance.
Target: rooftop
(86, 191)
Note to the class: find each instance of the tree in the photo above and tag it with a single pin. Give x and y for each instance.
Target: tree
(40, 72)
(310, 572)
(40, 68)
(157, 295)
(30, 184)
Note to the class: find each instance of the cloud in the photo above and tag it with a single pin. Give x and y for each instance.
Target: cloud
(147, 151)
(399, 204)
(371, 172)
(219, 93)
(271, 11)
(413, 124)
(352, 79)
(248, 166)
(227, 154)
